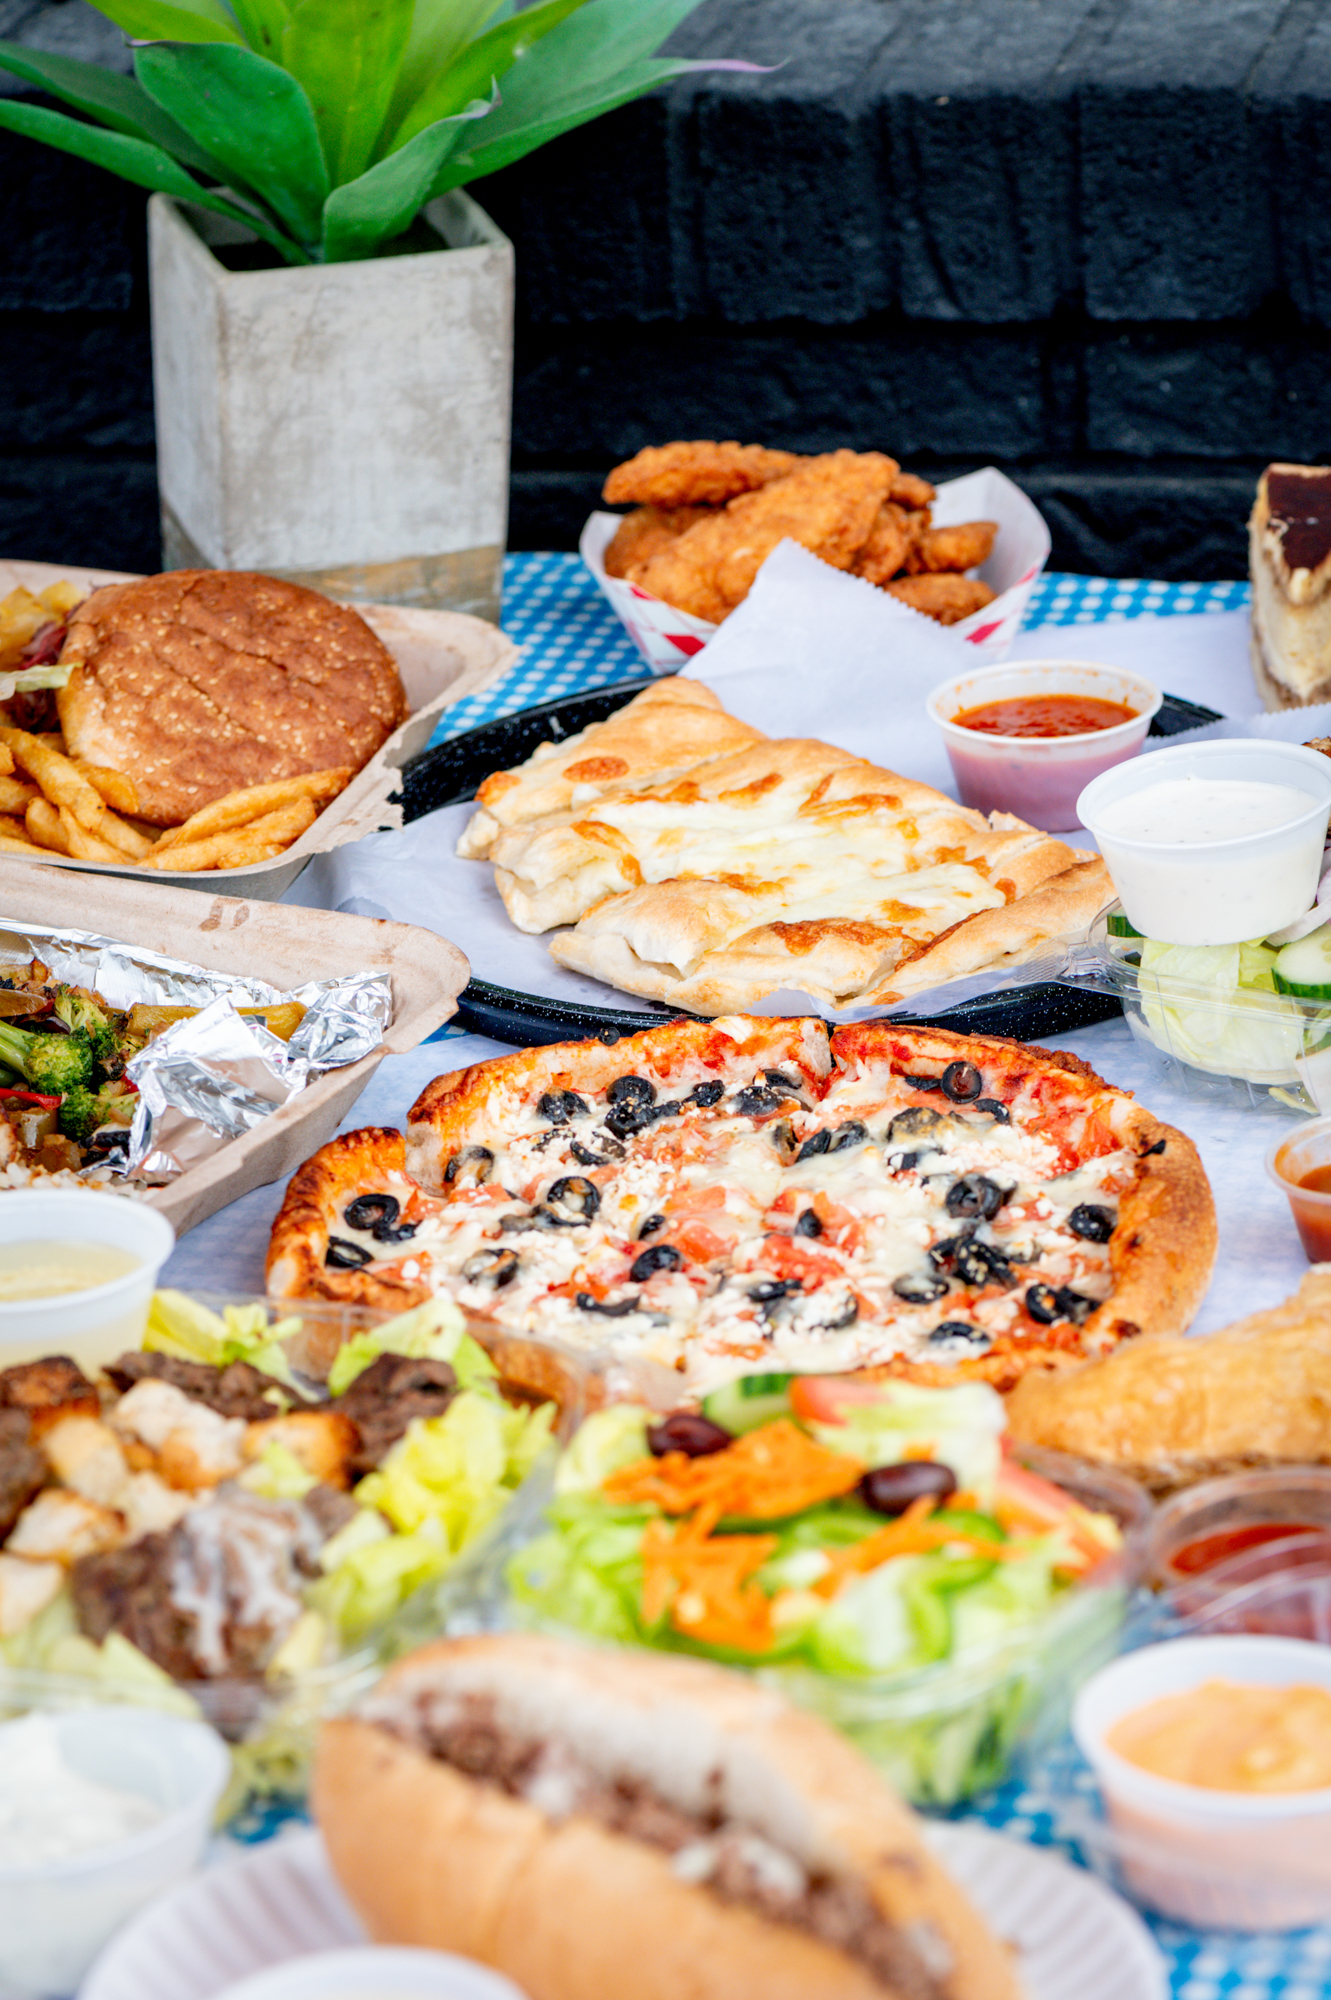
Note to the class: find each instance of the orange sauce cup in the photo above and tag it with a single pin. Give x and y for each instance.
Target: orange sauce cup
(1290, 1162)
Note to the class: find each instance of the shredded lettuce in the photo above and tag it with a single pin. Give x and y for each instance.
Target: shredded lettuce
(1215, 1006)
(180, 1325)
(602, 1443)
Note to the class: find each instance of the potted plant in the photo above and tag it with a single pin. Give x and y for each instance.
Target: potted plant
(341, 416)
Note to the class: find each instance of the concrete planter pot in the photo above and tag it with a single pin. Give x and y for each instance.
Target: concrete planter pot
(344, 425)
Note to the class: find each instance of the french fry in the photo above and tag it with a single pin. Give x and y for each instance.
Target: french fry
(42, 821)
(6, 761)
(130, 844)
(14, 829)
(22, 617)
(256, 802)
(15, 796)
(237, 847)
(85, 846)
(112, 786)
(68, 789)
(8, 846)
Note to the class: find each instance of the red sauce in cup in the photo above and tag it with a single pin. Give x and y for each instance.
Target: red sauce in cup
(1208, 1550)
(1044, 715)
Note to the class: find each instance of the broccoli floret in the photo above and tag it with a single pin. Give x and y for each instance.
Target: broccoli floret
(78, 1010)
(80, 1114)
(52, 1064)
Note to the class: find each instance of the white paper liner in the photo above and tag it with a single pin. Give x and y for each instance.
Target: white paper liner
(667, 638)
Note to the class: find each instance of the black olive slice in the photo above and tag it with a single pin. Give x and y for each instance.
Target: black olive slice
(670, 1109)
(499, 1266)
(998, 1112)
(920, 1288)
(620, 1310)
(890, 1489)
(771, 1289)
(962, 1082)
(904, 1163)
(649, 1226)
(780, 1080)
(1074, 1305)
(847, 1316)
(560, 1106)
(852, 1133)
(942, 1253)
(756, 1100)
(657, 1257)
(1092, 1222)
(386, 1233)
(631, 1090)
(1041, 1303)
(623, 1120)
(343, 1256)
(981, 1264)
(974, 1194)
(808, 1225)
(587, 1157)
(368, 1211)
(958, 1329)
(710, 1092)
(917, 1121)
(575, 1191)
(923, 1082)
(687, 1431)
(470, 1167)
(816, 1143)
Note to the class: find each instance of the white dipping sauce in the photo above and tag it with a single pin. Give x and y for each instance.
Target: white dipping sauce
(1212, 866)
(48, 1810)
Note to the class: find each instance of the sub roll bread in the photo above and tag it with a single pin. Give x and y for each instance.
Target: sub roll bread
(618, 1824)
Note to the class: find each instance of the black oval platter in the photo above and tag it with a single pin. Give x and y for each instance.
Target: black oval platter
(450, 773)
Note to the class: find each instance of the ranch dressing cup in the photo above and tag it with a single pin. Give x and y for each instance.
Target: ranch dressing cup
(1183, 877)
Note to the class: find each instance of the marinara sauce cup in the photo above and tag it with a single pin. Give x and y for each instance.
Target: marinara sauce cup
(1039, 778)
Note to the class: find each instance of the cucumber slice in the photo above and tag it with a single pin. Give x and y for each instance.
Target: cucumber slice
(747, 1403)
(1303, 968)
(1117, 925)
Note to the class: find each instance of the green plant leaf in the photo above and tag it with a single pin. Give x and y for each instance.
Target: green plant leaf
(252, 117)
(365, 213)
(524, 134)
(347, 54)
(134, 160)
(171, 20)
(261, 23)
(113, 100)
(477, 66)
(439, 30)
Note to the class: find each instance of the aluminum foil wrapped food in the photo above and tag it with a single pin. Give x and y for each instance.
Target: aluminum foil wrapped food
(210, 1076)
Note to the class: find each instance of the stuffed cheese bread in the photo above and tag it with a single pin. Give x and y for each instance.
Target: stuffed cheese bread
(614, 1823)
(751, 1193)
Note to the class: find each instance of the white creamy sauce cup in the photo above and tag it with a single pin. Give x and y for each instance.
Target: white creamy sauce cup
(94, 1325)
(1215, 891)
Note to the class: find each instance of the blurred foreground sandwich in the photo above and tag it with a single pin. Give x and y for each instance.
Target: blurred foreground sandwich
(1289, 540)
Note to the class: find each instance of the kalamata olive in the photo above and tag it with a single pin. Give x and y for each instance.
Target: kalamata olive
(620, 1310)
(631, 1090)
(710, 1092)
(561, 1106)
(923, 1082)
(575, 1191)
(974, 1194)
(367, 1211)
(757, 1101)
(816, 1143)
(962, 1082)
(1089, 1220)
(998, 1112)
(852, 1133)
(695, 1435)
(920, 1288)
(808, 1225)
(890, 1489)
(649, 1226)
(470, 1167)
(657, 1257)
(343, 1256)
(611, 1150)
(982, 1264)
(958, 1329)
(496, 1267)
(917, 1121)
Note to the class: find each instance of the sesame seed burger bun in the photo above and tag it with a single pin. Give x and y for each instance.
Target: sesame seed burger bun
(201, 682)
(572, 1901)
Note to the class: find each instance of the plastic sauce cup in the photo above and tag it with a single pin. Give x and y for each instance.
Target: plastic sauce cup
(1039, 778)
(95, 1325)
(1217, 891)
(1233, 1860)
(1287, 1162)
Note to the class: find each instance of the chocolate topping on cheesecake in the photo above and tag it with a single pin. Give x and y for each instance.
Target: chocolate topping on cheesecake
(1299, 507)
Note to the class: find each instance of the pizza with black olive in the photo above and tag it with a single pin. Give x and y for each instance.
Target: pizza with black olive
(743, 1193)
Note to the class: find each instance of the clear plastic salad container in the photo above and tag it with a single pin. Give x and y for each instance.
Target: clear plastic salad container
(1212, 1015)
(945, 1636)
(441, 1492)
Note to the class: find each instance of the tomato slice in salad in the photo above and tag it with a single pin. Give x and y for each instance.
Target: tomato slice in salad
(824, 1399)
(1027, 1504)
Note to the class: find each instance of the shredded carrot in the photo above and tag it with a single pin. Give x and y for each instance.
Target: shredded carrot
(707, 1584)
(774, 1471)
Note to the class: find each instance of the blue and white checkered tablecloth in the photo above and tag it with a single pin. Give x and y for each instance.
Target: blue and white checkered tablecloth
(572, 641)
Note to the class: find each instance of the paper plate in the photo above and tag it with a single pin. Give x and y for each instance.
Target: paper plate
(1075, 1939)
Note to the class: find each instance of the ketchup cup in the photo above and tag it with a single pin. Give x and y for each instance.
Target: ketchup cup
(1288, 1161)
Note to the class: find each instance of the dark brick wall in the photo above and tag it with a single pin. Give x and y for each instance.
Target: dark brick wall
(1087, 240)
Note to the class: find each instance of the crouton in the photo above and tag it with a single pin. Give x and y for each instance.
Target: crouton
(150, 1506)
(61, 1527)
(194, 1447)
(25, 1589)
(323, 1441)
(49, 1391)
(86, 1456)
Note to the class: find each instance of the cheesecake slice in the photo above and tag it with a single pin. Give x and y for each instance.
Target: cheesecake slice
(1289, 542)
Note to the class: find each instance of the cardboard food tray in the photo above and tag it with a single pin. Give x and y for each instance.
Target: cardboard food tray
(442, 657)
(259, 940)
(668, 639)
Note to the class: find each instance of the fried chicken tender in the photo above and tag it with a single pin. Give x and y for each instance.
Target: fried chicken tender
(946, 597)
(702, 474)
(828, 505)
(909, 490)
(647, 530)
(963, 547)
(891, 541)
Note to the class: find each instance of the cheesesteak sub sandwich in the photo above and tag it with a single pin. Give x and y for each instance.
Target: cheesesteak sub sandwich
(615, 1826)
